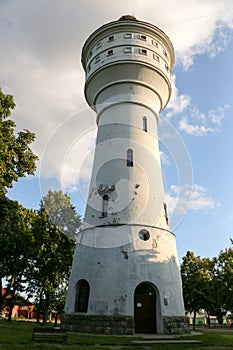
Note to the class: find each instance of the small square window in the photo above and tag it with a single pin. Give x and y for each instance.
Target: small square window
(155, 57)
(128, 35)
(88, 68)
(143, 37)
(165, 53)
(99, 44)
(143, 51)
(128, 49)
(90, 54)
(111, 38)
(155, 43)
(110, 52)
(167, 68)
(97, 59)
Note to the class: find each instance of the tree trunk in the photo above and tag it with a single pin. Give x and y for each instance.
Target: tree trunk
(39, 309)
(194, 319)
(1, 296)
(208, 320)
(46, 310)
(56, 317)
(12, 303)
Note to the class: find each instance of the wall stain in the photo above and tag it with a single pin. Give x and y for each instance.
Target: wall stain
(126, 256)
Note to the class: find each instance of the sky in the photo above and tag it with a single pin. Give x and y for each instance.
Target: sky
(40, 60)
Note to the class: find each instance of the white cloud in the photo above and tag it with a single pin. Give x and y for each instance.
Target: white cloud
(199, 124)
(193, 197)
(200, 27)
(178, 103)
(164, 158)
(192, 120)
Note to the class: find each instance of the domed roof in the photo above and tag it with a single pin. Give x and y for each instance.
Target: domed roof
(127, 18)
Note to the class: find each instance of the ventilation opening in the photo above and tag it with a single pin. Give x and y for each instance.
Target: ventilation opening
(144, 235)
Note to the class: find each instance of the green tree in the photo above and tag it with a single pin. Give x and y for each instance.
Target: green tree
(61, 213)
(223, 283)
(16, 158)
(16, 247)
(51, 268)
(196, 278)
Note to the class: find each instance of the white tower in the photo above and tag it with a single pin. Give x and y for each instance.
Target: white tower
(125, 276)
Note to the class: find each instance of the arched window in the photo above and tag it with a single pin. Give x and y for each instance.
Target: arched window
(129, 161)
(105, 206)
(82, 296)
(144, 123)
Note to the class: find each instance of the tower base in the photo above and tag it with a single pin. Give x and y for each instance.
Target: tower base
(117, 324)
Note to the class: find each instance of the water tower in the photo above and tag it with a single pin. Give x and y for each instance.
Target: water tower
(125, 276)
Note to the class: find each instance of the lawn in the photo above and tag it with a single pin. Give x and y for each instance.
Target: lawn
(17, 335)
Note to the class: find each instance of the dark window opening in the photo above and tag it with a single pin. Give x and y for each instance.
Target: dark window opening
(82, 296)
(110, 52)
(111, 38)
(105, 206)
(144, 122)
(143, 37)
(143, 51)
(129, 158)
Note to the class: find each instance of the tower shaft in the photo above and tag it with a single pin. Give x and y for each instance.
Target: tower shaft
(125, 266)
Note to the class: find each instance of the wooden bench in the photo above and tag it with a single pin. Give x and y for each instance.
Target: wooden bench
(48, 334)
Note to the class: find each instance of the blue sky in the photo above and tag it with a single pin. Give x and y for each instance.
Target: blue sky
(40, 65)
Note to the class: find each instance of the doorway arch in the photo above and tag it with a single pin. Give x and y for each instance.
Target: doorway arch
(82, 296)
(145, 308)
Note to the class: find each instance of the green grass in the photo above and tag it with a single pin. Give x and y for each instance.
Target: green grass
(17, 335)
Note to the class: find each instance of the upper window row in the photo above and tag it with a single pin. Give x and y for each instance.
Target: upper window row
(130, 36)
(129, 49)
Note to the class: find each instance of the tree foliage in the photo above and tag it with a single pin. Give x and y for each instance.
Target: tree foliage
(52, 264)
(208, 283)
(17, 248)
(16, 157)
(61, 213)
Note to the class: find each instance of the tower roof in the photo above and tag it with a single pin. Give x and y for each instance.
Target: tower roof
(127, 18)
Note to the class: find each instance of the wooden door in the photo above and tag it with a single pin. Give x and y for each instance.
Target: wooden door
(145, 309)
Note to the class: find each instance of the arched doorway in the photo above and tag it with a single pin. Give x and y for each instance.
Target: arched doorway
(82, 296)
(145, 308)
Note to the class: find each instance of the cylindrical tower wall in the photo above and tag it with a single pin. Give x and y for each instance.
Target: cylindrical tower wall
(125, 242)
(136, 191)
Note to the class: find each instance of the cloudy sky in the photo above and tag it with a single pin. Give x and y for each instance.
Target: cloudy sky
(41, 43)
